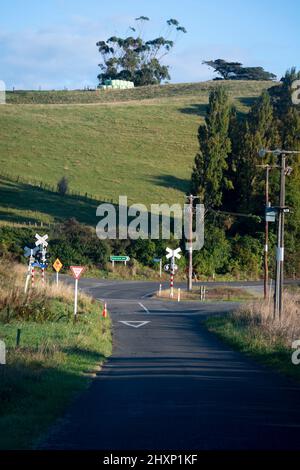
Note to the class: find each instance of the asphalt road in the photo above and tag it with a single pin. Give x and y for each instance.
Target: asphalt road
(171, 385)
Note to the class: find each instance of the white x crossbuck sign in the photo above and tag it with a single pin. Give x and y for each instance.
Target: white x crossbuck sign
(41, 240)
(173, 253)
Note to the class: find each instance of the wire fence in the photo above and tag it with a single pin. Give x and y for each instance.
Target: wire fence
(53, 189)
(41, 185)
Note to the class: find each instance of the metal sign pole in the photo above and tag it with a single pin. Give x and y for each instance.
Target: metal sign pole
(28, 272)
(76, 271)
(43, 261)
(75, 299)
(172, 278)
(32, 276)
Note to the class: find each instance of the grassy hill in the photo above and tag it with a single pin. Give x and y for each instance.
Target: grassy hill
(140, 143)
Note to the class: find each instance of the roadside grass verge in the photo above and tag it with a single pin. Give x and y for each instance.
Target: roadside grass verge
(54, 361)
(230, 294)
(253, 331)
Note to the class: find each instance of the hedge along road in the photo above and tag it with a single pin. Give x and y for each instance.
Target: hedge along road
(172, 385)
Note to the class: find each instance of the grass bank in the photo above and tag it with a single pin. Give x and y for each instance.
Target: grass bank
(253, 331)
(55, 358)
(230, 294)
(140, 143)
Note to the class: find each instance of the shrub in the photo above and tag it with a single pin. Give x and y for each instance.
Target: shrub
(63, 186)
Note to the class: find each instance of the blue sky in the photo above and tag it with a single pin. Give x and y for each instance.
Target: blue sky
(51, 43)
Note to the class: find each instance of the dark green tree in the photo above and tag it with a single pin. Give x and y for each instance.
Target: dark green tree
(235, 71)
(63, 186)
(257, 131)
(208, 176)
(281, 95)
(288, 115)
(136, 59)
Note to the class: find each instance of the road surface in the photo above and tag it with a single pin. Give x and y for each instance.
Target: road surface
(172, 385)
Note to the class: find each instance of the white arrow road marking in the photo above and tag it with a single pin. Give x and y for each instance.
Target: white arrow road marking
(145, 308)
(134, 324)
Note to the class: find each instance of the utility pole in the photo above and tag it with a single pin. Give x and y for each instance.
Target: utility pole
(284, 171)
(190, 209)
(266, 247)
(266, 266)
(190, 269)
(280, 241)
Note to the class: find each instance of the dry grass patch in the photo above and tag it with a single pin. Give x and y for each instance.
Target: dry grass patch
(49, 365)
(254, 331)
(261, 315)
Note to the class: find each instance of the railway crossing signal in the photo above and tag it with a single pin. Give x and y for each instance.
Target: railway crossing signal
(172, 254)
(41, 240)
(37, 258)
(42, 243)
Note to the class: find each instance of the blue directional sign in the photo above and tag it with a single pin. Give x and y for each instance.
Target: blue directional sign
(36, 264)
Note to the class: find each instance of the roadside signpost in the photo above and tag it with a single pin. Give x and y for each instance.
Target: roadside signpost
(173, 254)
(122, 258)
(57, 265)
(76, 271)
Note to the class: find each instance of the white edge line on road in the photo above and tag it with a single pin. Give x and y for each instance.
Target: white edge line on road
(149, 294)
(143, 306)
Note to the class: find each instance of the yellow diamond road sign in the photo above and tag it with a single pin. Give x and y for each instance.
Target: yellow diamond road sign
(57, 265)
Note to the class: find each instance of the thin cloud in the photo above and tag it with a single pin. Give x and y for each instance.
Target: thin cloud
(52, 57)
